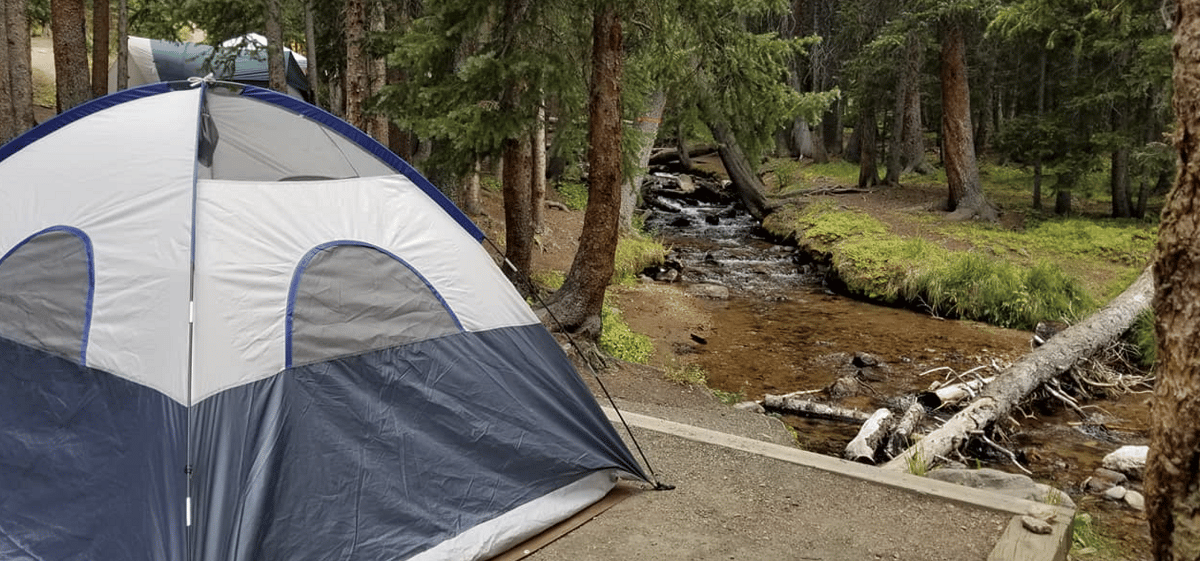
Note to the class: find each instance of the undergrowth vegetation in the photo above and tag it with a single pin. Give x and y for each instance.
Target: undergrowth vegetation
(618, 340)
(874, 263)
(635, 252)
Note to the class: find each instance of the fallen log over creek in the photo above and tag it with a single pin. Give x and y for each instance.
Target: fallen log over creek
(1041, 365)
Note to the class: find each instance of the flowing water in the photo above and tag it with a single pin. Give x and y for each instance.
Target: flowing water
(783, 329)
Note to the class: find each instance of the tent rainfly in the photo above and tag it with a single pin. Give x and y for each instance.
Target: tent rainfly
(235, 328)
(155, 60)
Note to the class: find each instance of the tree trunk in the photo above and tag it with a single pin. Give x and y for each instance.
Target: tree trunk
(470, 199)
(645, 131)
(1016, 382)
(831, 129)
(100, 32)
(741, 172)
(1122, 202)
(962, 172)
(123, 45)
(901, 436)
(377, 122)
(863, 446)
(578, 303)
(792, 403)
(894, 154)
(868, 169)
(537, 179)
(681, 145)
(518, 212)
(1041, 106)
(356, 62)
(1173, 463)
(310, 51)
(69, 29)
(1062, 198)
(913, 145)
(8, 122)
(276, 70)
(19, 65)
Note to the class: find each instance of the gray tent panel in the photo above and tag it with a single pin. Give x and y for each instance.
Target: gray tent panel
(263, 142)
(351, 298)
(46, 290)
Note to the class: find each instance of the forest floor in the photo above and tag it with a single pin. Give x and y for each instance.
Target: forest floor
(737, 360)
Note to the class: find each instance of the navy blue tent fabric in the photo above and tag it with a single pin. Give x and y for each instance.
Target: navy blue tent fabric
(456, 415)
(180, 61)
(91, 465)
(459, 437)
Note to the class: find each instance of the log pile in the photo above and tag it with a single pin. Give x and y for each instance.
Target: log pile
(989, 399)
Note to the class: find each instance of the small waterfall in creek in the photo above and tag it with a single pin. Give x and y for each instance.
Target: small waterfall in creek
(713, 240)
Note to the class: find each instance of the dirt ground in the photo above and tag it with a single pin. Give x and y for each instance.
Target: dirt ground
(745, 353)
(729, 504)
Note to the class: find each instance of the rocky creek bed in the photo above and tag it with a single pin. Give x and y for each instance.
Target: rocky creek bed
(779, 327)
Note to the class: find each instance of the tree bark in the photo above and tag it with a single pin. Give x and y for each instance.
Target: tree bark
(578, 303)
(310, 51)
(966, 199)
(864, 444)
(356, 62)
(377, 122)
(895, 158)
(8, 122)
(1010, 387)
(791, 403)
(537, 175)
(646, 130)
(912, 146)
(1041, 107)
(868, 169)
(100, 32)
(69, 29)
(741, 172)
(681, 145)
(518, 212)
(20, 66)
(123, 45)
(901, 436)
(276, 70)
(1173, 463)
(470, 199)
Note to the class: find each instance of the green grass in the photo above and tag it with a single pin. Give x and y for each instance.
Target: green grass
(574, 194)
(1089, 542)
(961, 284)
(618, 340)
(634, 253)
(687, 374)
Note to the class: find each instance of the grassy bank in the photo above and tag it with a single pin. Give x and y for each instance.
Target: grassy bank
(1012, 274)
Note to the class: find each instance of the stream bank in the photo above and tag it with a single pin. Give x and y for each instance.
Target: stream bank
(780, 327)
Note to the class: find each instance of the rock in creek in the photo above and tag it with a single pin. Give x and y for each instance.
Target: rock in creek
(1102, 480)
(1129, 460)
(1011, 484)
(713, 291)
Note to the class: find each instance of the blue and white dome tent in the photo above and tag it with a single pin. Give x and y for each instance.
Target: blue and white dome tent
(234, 328)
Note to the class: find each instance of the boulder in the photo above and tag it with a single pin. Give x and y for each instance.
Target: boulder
(1011, 484)
(1135, 500)
(1102, 480)
(1116, 493)
(1129, 460)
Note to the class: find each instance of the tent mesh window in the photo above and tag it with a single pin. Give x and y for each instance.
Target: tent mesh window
(45, 292)
(349, 298)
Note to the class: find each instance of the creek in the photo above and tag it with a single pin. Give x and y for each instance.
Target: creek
(783, 329)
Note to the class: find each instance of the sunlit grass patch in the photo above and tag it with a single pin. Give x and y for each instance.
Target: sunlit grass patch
(618, 340)
(634, 253)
